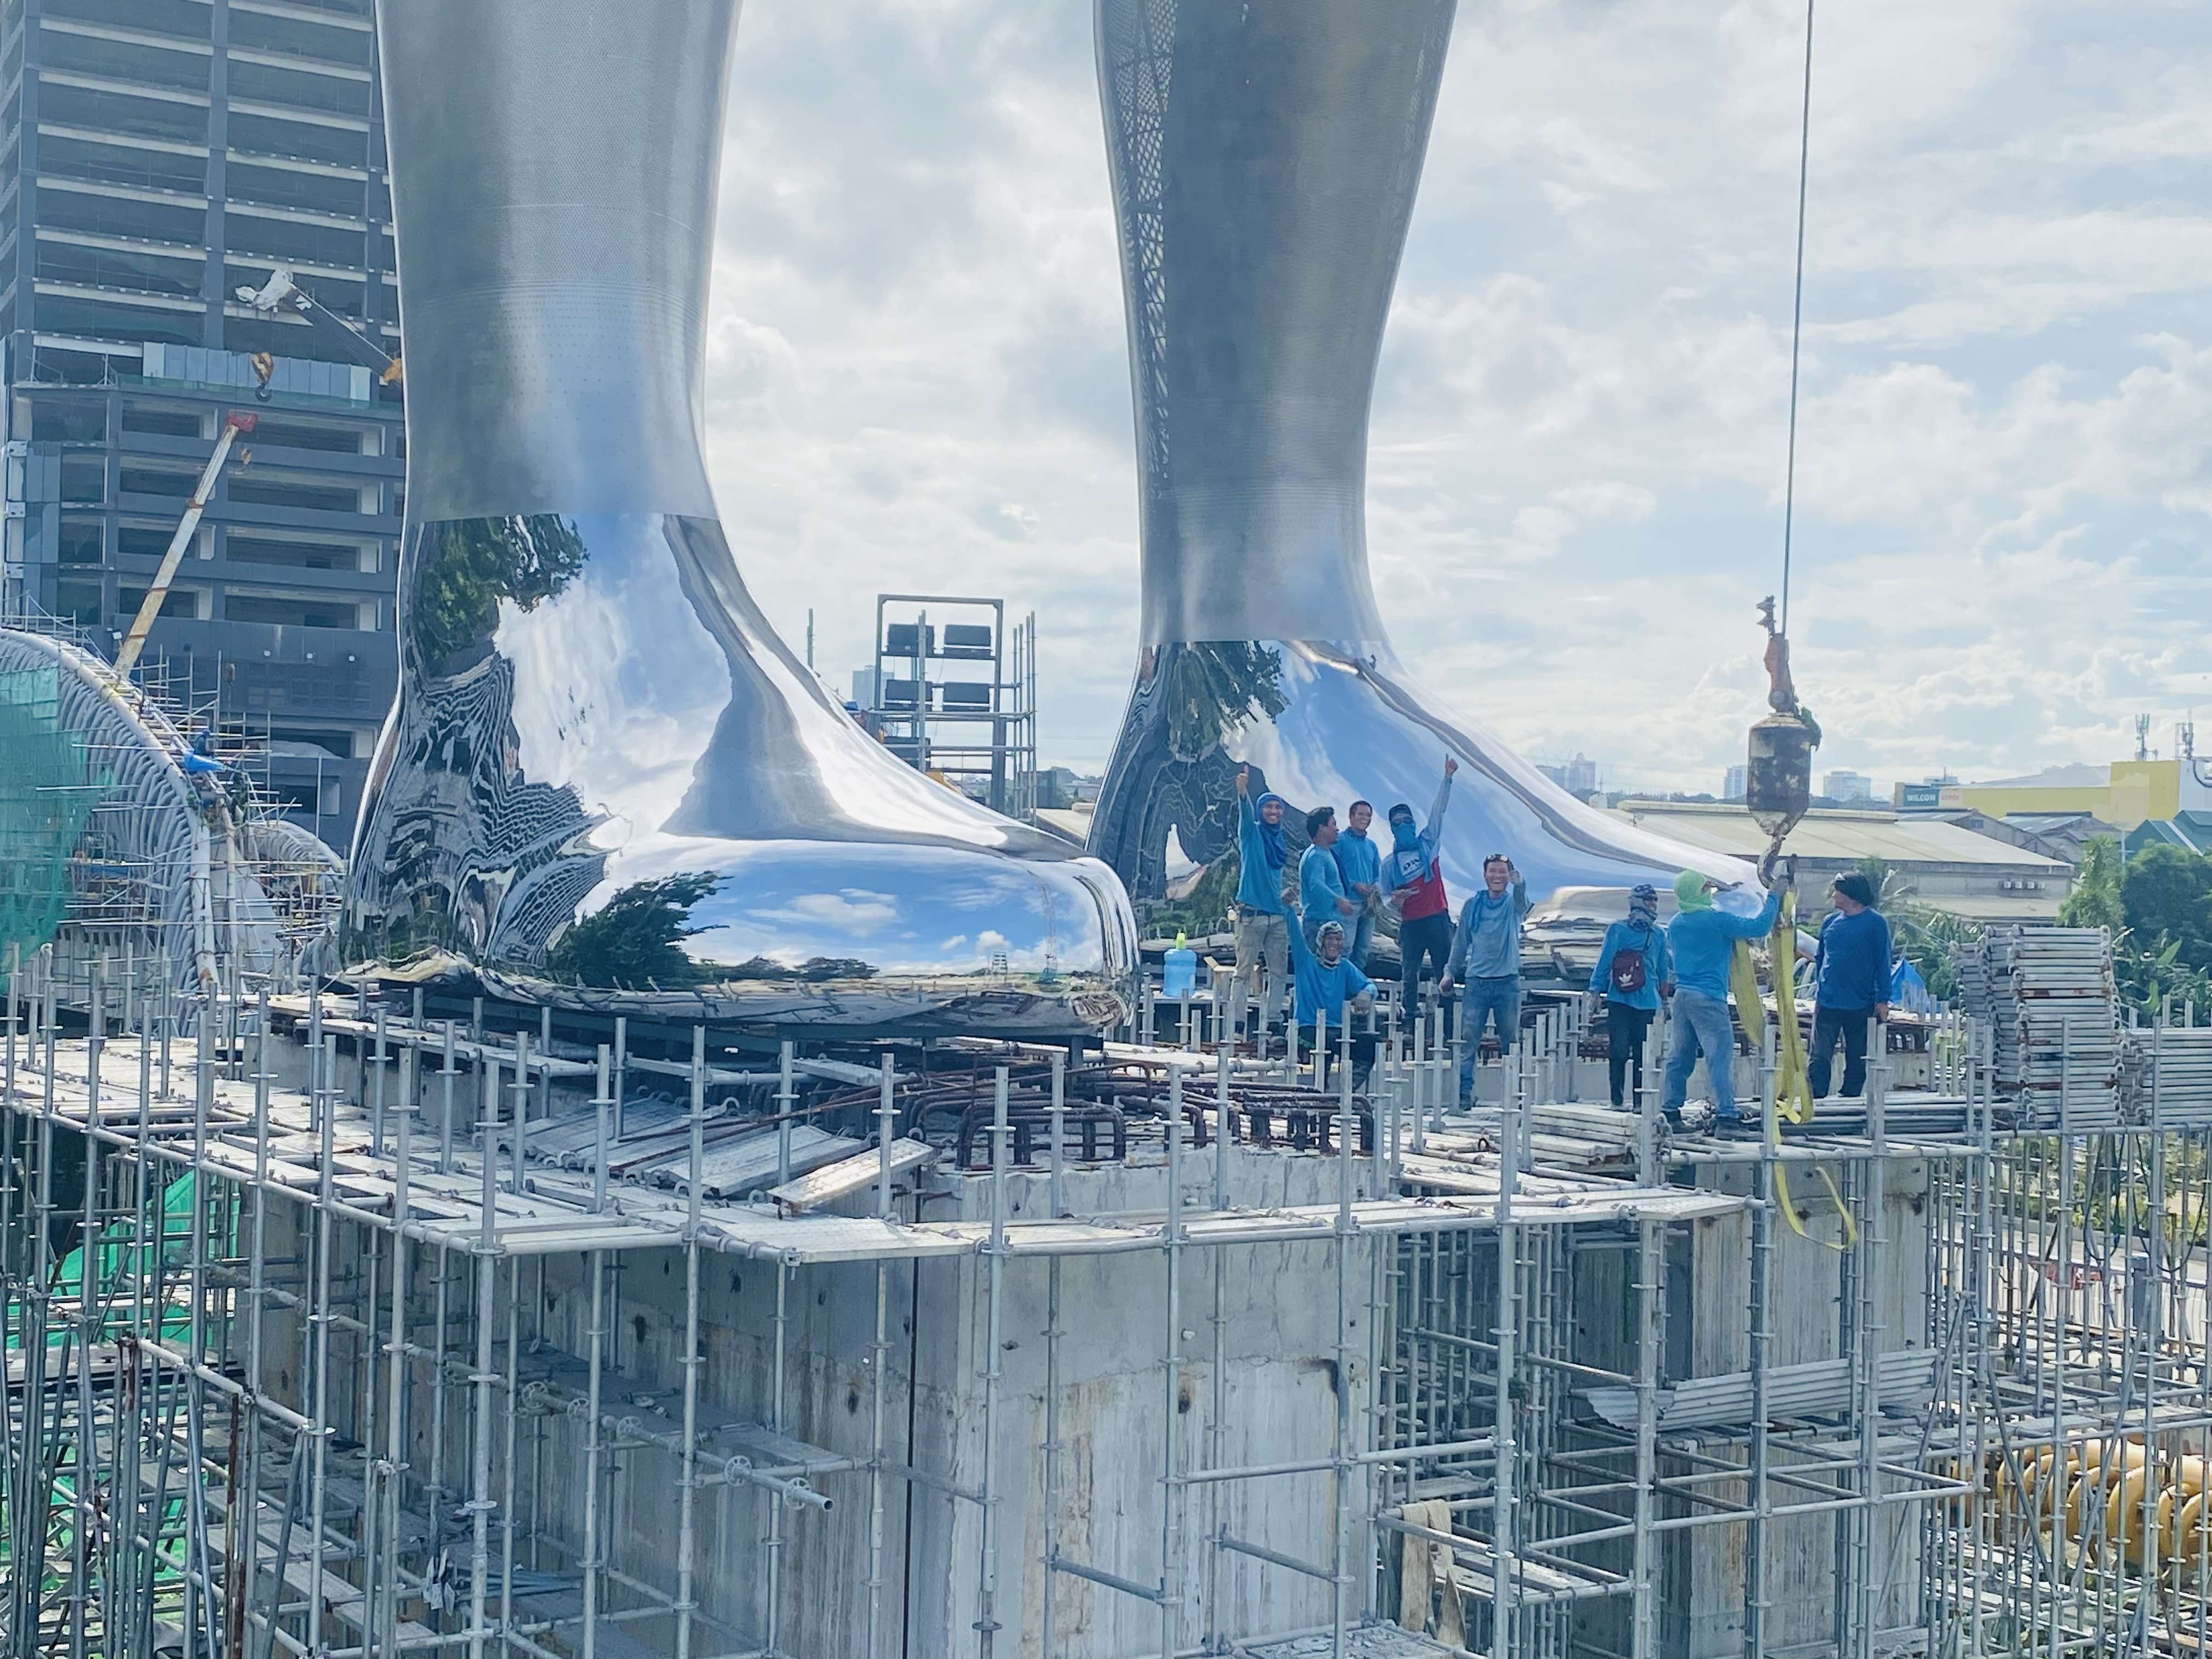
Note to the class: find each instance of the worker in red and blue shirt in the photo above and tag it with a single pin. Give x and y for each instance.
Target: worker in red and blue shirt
(1413, 875)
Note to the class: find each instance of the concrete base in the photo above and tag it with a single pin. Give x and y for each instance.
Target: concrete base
(1133, 1410)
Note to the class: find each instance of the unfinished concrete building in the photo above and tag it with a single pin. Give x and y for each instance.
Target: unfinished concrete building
(407, 1327)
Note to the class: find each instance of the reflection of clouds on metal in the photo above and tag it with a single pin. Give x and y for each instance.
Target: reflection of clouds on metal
(1264, 163)
(605, 766)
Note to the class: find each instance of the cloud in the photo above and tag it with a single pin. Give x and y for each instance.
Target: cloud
(855, 911)
(918, 380)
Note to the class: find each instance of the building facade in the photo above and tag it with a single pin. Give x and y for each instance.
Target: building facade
(156, 157)
(1938, 866)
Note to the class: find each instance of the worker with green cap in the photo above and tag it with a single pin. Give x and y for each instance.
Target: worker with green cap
(1703, 940)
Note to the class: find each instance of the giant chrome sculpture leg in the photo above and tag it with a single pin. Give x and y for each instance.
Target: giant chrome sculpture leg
(1264, 160)
(604, 767)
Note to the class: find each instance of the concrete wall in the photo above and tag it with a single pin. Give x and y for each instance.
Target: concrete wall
(1279, 1315)
(1707, 1333)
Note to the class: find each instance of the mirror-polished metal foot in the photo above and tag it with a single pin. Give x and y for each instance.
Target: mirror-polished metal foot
(1264, 162)
(1324, 725)
(606, 780)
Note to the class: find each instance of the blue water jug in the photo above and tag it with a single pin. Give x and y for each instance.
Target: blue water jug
(1181, 975)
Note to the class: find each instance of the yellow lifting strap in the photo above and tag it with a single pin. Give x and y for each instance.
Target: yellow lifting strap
(1793, 1090)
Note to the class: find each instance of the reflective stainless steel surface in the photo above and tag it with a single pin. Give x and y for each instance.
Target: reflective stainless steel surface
(1348, 725)
(605, 769)
(1264, 162)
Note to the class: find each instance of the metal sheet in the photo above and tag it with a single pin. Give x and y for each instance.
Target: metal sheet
(604, 770)
(849, 1176)
(1264, 162)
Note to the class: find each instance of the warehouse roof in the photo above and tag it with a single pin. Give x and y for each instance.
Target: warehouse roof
(1842, 835)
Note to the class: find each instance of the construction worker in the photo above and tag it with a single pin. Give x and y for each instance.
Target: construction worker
(1412, 878)
(1702, 940)
(1359, 861)
(1486, 958)
(1634, 970)
(1851, 971)
(1262, 919)
(1321, 896)
(1329, 984)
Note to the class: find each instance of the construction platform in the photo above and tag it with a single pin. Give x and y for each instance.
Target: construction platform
(402, 1335)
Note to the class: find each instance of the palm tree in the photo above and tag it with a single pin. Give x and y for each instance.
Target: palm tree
(1927, 937)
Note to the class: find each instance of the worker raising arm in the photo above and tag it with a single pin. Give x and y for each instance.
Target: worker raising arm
(1414, 882)
(1262, 924)
(1703, 940)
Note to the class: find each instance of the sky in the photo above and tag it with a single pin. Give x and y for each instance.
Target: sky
(917, 378)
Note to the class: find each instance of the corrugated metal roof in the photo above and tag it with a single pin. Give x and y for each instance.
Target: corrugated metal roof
(1848, 836)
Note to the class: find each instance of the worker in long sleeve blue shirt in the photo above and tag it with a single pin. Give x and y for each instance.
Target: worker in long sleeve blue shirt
(1359, 861)
(1331, 986)
(1263, 961)
(1634, 968)
(1703, 940)
(1852, 975)
(1321, 896)
(1486, 958)
(1327, 982)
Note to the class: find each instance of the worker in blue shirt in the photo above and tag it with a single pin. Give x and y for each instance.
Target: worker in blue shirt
(1851, 978)
(1486, 958)
(1329, 984)
(1634, 970)
(1321, 896)
(1703, 941)
(1262, 919)
(1359, 861)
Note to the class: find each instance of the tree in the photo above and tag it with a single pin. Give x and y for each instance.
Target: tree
(630, 943)
(2095, 901)
(2158, 908)
(473, 564)
(2164, 894)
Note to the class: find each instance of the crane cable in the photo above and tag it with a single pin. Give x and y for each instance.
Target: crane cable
(1798, 316)
(1792, 1094)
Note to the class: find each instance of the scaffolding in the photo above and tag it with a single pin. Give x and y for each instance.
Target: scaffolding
(120, 851)
(398, 1328)
(929, 709)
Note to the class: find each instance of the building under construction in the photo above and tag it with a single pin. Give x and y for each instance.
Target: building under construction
(384, 1325)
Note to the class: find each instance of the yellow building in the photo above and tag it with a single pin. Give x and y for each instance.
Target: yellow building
(2130, 792)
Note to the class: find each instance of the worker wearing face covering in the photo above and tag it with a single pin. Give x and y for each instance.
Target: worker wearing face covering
(1634, 970)
(1703, 941)
(1413, 880)
(1263, 943)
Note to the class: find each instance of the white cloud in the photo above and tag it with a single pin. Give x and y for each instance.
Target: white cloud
(918, 378)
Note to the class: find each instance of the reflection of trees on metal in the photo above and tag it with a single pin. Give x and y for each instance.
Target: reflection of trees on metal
(631, 941)
(474, 563)
(1213, 689)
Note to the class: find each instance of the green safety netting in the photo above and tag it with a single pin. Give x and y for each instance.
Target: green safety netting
(122, 1259)
(47, 791)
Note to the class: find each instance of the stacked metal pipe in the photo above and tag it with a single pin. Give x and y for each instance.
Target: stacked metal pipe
(2167, 1075)
(2053, 1014)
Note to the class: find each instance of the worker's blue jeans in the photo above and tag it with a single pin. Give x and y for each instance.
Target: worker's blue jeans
(1363, 935)
(1495, 1002)
(1701, 1026)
